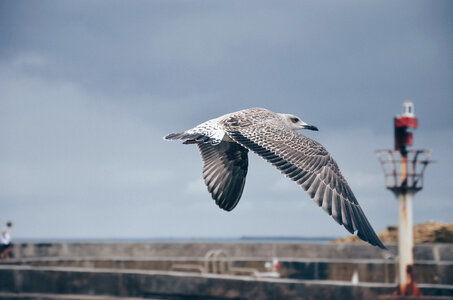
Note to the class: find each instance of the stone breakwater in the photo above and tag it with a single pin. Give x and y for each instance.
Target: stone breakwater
(428, 232)
(436, 252)
(147, 270)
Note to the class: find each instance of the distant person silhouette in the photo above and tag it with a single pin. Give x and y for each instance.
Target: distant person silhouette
(6, 246)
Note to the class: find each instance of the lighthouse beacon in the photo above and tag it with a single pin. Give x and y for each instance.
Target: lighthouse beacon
(403, 137)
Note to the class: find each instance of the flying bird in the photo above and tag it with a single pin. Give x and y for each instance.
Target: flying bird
(224, 144)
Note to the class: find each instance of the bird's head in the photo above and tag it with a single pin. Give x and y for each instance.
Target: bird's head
(295, 123)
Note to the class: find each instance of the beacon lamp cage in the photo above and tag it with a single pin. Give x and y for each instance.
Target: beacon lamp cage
(399, 178)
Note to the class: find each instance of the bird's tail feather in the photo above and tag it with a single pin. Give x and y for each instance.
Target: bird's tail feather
(190, 138)
(176, 136)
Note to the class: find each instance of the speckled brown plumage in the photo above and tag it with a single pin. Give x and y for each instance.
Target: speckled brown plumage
(225, 141)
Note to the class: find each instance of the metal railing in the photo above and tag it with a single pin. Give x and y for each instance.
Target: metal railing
(216, 261)
(397, 177)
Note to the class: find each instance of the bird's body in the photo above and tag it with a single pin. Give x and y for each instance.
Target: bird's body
(224, 143)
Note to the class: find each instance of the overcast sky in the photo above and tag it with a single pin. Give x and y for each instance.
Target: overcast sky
(89, 88)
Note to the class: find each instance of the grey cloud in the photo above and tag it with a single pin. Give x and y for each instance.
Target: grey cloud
(87, 90)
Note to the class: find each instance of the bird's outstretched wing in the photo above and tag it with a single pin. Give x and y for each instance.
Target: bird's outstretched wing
(308, 164)
(224, 171)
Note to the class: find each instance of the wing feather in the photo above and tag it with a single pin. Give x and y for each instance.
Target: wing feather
(224, 171)
(308, 164)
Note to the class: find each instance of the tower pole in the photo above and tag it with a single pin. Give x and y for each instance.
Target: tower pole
(405, 240)
(405, 231)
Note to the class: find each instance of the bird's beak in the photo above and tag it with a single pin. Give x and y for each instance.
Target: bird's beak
(309, 127)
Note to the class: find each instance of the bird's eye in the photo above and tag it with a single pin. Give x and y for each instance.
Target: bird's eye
(294, 120)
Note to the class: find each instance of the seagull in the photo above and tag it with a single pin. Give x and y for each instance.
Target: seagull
(224, 143)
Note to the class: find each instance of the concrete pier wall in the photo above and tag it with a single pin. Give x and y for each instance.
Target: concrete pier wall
(307, 269)
(434, 252)
(143, 270)
(173, 285)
